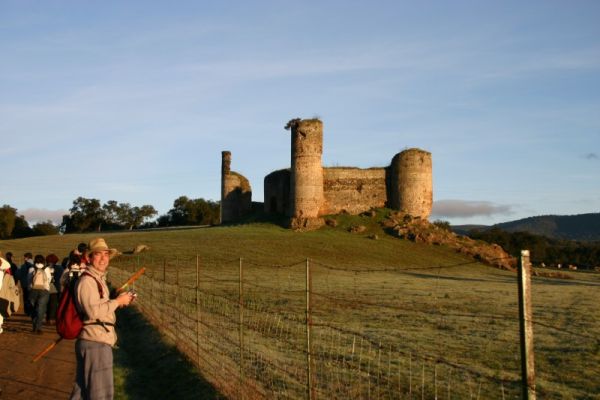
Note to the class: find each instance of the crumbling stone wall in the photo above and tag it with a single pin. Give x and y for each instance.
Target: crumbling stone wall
(307, 191)
(353, 190)
(411, 183)
(277, 192)
(236, 193)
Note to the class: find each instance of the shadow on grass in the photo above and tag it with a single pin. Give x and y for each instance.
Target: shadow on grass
(146, 367)
(259, 216)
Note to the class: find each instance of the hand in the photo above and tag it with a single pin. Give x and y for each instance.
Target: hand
(125, 299)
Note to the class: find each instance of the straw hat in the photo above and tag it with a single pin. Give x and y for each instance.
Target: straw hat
(99, 244)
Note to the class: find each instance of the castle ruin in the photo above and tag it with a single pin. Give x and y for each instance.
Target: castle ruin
(236, 193)
(306, 191)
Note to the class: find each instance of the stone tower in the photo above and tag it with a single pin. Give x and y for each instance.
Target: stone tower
(306, 180)
(236, 194)
(411, 183)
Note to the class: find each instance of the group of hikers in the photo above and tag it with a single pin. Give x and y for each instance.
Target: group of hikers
(81, 279)
(41, 280)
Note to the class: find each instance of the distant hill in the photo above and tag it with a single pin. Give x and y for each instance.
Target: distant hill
(585, 227)
(464, 229)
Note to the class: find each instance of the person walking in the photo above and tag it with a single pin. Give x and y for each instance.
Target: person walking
(14, 269)
(24, 280)
(39, 278)
(4, 267)
(57, 270)
(93, 348)
(72, 270)
(10, 295)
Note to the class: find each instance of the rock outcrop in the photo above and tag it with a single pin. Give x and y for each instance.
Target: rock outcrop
(420, 230)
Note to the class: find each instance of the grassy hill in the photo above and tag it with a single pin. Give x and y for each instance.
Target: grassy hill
(401, 312)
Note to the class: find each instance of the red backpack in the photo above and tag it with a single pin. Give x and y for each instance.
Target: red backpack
(69, 321)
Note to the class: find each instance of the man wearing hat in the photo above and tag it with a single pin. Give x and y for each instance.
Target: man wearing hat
(93, 349)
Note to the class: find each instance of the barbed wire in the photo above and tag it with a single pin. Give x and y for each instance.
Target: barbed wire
(400, 308)
(354, 301)
(582, 335)
(272, 330)
(400, 269)
(422, 355)
(276, 266)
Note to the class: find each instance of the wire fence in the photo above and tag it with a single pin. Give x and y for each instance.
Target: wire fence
(313, 330)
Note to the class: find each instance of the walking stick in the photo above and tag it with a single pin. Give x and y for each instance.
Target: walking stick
(46, 350)
(132, 279)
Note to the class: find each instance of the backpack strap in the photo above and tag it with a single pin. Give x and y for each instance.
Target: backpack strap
(102, 324)
(101, 292)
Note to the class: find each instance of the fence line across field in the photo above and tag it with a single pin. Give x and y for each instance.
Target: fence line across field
(252, 340)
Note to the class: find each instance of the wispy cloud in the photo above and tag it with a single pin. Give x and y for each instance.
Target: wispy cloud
(468, 209)
(33, 215)
(591, 156)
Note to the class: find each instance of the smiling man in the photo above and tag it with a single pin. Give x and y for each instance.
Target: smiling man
(93, 349)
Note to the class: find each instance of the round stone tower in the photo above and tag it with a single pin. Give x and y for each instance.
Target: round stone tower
(306, 180)
(225, 185)
(236, 193)
(411, 183)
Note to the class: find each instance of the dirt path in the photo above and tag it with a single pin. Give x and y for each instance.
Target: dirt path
(50, 378)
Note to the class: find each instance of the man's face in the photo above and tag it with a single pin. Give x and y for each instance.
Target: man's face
(100, 259)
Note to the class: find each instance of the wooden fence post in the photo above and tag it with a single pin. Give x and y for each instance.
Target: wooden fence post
(241, 330)
(309, 383)
(164, 296)
(177, 311)
(197, 310)
(526, 327)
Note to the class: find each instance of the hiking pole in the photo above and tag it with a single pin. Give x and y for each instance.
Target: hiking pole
(132, 279)
(46, 350)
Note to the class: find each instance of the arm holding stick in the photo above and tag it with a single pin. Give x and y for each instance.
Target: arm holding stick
(123, 299)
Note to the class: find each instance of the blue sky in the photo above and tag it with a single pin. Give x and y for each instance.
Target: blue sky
(134, 101)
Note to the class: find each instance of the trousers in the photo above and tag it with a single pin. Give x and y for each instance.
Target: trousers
(94, 374)
(39, 302)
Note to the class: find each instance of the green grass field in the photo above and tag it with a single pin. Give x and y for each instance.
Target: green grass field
(391, 318)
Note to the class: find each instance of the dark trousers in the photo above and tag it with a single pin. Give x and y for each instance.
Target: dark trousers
(39, 302)
(26, 303)
(52, 307)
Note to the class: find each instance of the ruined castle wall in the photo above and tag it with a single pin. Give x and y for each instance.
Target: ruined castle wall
(236, 193)
(277, 192)
(411, 182)
(306, 189)
(353, 190)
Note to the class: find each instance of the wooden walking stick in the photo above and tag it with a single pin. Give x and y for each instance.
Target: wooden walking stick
(130, 281)
(46, 350)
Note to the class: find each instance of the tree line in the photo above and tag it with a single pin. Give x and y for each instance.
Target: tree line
(90, 215)
(543, 249)
(15, 226)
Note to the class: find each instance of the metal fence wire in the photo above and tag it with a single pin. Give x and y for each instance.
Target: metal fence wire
(312, 330)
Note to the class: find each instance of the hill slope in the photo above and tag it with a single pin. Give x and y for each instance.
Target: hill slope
(570, 227)
(574, 227)
(392, 311)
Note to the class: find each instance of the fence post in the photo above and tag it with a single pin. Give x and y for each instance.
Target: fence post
(177, 312)
(197, 310)
(309, 383)
(526, 327)
(241, 331)
(164, 296)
